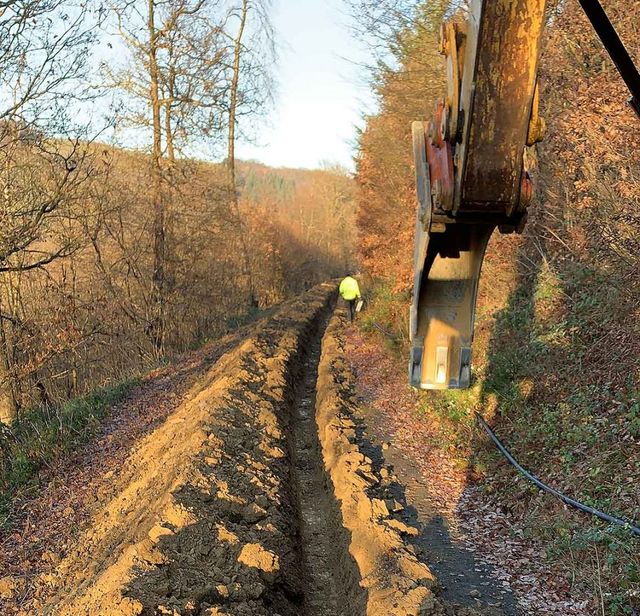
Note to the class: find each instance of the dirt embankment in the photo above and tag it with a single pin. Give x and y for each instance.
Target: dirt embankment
(397, 583)
(206, 523)
(41, 525)
(255, 497)
(383, 531)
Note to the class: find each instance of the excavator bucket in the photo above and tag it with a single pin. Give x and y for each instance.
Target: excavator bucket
(471, 177)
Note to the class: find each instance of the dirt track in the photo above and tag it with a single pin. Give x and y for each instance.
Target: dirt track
(253, 498)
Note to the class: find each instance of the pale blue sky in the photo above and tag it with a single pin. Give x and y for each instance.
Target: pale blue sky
(321, 93)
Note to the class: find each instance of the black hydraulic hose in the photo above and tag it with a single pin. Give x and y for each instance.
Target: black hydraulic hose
(616, 49)
(565, 499)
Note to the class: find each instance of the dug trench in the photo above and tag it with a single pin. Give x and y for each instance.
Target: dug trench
(254, 497)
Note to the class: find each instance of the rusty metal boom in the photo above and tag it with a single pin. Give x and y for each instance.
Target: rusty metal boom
(471, 176)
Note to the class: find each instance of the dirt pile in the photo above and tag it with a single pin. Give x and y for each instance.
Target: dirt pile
(72, 485)
(205, 524)
(398, 583)
(255, 497)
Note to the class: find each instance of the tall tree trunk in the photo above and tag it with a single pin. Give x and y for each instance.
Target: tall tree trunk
(158, 278)
(168, 109)
(171, 155)
(233, 102)
(169, 193)
(8, 402)
(231, 151)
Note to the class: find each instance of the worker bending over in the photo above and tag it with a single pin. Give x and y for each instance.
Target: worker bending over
(350, 293)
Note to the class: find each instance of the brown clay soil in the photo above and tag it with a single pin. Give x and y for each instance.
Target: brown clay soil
(43, 526)
(239, 482)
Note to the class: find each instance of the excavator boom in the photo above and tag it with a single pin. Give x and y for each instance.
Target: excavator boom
(471, 176)
(471, 173)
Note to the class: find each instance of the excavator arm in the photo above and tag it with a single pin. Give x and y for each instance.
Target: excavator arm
(471, 176)
(471, 171)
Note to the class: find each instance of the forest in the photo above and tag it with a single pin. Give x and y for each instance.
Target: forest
(113, 257)
(189, 422)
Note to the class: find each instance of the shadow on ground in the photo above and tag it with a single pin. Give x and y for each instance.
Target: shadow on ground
(233, 542)
(463, 580)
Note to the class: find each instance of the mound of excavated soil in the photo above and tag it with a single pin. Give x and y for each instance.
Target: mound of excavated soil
(398, 583)
(207, 524)
(255, 497)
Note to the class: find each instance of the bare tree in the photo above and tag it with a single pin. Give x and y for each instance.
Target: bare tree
(176, 72)
(250, 90)
(390, 29)
(250, 83)
(43, 62)
(233, 96)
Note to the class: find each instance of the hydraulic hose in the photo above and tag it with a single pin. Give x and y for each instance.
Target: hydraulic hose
(565, 499)
(543, 486)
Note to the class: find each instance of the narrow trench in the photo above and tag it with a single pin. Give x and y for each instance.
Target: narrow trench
(324, 542)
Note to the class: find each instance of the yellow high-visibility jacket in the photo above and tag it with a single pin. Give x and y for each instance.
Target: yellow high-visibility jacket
(349, 289)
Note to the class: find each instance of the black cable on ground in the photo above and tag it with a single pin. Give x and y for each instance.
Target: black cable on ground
(383, 331)
(565, 499)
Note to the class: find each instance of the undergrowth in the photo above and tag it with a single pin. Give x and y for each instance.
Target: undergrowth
(563, 396)
(386, 315)
(38, 436)
(252, 314)
(565, 401)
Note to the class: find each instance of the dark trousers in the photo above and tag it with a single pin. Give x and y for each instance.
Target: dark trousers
(352, 308)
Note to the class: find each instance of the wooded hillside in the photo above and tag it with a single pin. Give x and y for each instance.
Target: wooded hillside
(112, 258)
(556, 350)
(83, 319)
